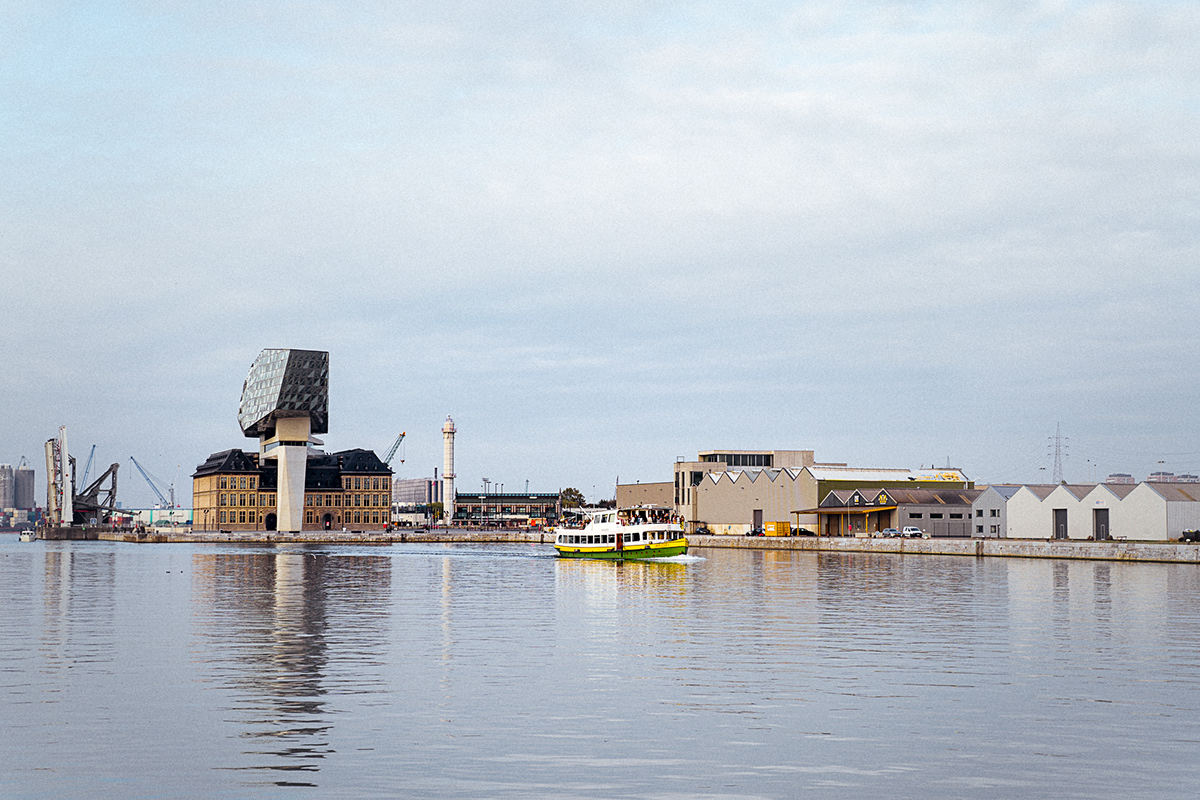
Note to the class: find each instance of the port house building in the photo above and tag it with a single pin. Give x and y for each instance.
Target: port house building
(234, 491)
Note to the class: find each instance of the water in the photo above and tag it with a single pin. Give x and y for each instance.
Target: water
(195, 671)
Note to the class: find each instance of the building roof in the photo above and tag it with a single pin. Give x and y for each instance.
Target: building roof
(1176, 493)
(359, 460)
(227, 461)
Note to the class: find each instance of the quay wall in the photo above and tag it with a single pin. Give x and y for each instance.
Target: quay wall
(1172, 552)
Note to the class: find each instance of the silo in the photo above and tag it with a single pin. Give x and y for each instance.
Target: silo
(24, 491)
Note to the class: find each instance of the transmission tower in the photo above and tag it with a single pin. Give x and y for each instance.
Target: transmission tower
(1060, 443)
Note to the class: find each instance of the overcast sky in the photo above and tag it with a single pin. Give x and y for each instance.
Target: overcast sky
(604, 235)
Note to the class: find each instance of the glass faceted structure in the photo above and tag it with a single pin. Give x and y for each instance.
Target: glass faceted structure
(285, 383)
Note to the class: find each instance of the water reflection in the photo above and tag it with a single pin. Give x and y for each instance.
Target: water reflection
(265, 620)
(78, 605)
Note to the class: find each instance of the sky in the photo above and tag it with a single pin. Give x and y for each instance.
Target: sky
(602, 236)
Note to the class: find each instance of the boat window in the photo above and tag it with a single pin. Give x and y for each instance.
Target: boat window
(591, 540)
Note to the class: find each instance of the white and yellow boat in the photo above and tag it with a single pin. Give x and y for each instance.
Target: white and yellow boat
(635, 532)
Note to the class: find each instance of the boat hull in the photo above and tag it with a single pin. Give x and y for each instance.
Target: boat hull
(675, 547)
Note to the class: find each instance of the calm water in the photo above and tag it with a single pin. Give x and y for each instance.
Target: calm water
(499, 671)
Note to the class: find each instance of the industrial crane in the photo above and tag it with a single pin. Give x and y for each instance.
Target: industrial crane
(88, 468)
(391, 453)
(171, 489)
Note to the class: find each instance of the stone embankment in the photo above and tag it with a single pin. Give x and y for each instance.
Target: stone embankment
(456, 535)
(1175, 552)
(1172, 552)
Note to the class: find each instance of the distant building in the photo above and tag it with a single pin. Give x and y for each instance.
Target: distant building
(7, 495)
(510, 509)
(1120, 478)
(1161, 477)
(24, 489)
(734, 491)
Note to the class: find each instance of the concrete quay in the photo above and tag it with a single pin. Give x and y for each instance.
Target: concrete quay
(1165, 552)
(1171, 552)
(417, 535)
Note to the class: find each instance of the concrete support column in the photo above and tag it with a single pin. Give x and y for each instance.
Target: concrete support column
(289, 448)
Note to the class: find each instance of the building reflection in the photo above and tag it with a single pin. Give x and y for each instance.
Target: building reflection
(269, 619)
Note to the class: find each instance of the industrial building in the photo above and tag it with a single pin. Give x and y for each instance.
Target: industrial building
(1147, 511)
(737, 491)
(290, 484)
(940, 512)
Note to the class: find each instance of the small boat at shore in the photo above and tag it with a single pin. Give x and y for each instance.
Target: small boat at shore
(27, 536)
(636, 532)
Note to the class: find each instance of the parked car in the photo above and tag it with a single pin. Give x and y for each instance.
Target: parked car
(703, 531)
(1190, 536)
(803, 532)
(890, 533)
(911, 532)
(756, 532)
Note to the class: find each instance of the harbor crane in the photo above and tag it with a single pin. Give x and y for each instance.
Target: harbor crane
(154, 487)
(391, 453)
(88, 468)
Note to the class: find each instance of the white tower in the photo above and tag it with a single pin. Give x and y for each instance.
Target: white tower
(448, 469)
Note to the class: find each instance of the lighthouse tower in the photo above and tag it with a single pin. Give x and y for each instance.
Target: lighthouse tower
(448, 469)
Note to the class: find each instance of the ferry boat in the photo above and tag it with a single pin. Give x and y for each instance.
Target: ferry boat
(27, 535)
(636, 532)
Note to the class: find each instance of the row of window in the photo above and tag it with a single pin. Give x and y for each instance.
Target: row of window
(335, 500)
(357, 483)
(331, 500)
(992, 512)
(237, 482)
(253, 518)
(630, 538)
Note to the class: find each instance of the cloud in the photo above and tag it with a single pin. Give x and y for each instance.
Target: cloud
(878, 209)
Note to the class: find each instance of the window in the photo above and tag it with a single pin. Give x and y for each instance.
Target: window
(222, 517)
(956, 516)
(242, 517)
(915, 516)
(979, 529)
(242, 500)
(979, 513)
(995, 512)
(995, 529)
(251, 486)
(935, 515)
(223, 503)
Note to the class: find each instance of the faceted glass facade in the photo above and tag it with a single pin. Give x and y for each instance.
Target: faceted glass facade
(286, 383)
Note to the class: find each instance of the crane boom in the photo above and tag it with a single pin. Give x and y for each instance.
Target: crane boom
(391, 453)
(161, 498)
(88, 468)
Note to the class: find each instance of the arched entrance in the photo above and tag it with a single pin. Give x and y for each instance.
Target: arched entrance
(270, 522)
(328, 520)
